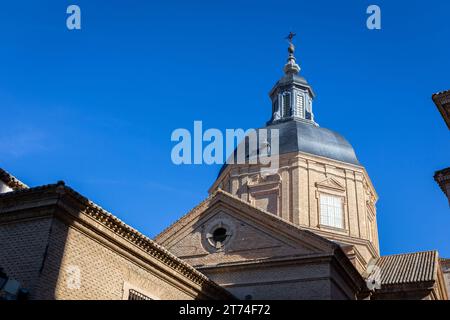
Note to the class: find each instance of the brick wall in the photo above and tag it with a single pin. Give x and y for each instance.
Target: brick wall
(295, 281)
(59, 255)
(22, 248)
(298, 190)
(102, 271)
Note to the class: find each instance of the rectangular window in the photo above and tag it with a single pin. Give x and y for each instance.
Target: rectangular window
(300, 106)
(331, 211)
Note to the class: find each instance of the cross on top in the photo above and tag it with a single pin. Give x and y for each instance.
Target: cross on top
(291, 36)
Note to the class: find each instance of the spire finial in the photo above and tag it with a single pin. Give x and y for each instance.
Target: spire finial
(291, 66)
(291, 36)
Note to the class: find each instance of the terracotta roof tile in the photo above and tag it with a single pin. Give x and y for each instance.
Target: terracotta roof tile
(407, 268)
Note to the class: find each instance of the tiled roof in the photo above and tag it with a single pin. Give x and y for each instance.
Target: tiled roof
(11, 181)
(407, 268)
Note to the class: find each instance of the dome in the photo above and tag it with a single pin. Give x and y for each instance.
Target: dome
(298, 136)
(301, 136)
(293, 117)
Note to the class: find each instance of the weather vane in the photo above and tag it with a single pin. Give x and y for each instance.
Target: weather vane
(291, 36)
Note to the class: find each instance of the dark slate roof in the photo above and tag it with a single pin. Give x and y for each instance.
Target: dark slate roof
(11, 181)
(303, 136)
(289, 79)
(407, 268)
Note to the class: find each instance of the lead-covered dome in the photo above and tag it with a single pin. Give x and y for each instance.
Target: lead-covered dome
(293, 118)
(298, 136)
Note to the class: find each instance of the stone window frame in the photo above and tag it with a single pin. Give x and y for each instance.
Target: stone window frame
(333, 187)
(210, 227)
(343, 207)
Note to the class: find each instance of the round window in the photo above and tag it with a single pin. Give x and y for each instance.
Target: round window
(219, 235)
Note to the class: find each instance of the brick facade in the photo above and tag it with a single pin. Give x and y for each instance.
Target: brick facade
(294, 192)
(266, 257)
(59, 245)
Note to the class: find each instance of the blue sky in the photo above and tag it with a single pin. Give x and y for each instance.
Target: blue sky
(96, 107)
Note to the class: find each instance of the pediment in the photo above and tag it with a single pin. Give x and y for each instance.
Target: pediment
(330, 183)
(250, 234)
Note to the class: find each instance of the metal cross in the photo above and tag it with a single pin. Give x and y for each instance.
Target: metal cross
(291, 36)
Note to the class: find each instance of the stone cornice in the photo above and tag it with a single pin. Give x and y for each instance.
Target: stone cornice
(300, 259)
(337, 258)
(442, 177)
(442, 102)
(345, 239)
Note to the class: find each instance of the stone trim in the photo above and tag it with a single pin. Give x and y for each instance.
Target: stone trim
(337, 258)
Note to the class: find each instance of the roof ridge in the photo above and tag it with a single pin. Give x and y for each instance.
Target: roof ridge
(159, 236)
(407, 268)
(408, 253)
(11, 181)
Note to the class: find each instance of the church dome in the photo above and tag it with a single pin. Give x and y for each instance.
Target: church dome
(293, 118)
(298, 136)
